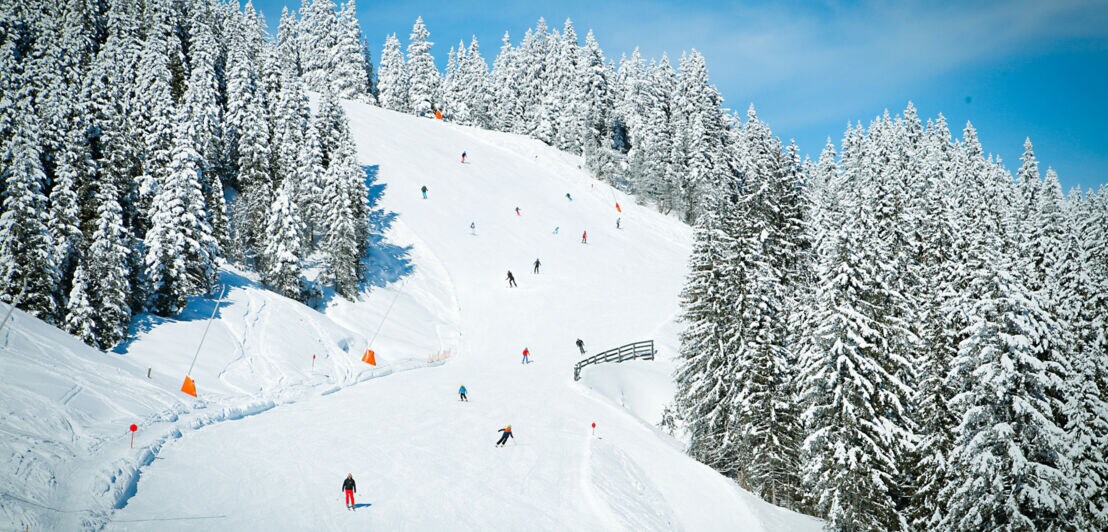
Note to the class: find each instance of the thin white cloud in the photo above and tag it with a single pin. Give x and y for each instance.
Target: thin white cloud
(842, 50)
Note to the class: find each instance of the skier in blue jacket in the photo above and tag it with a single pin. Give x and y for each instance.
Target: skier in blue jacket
(462, 394)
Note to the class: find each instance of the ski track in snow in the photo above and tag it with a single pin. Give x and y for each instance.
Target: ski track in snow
(423, 460)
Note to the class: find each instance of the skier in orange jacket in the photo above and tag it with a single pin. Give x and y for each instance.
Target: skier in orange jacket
(507, 433)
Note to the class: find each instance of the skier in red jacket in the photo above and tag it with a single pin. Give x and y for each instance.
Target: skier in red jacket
(584, 237)
(526, 354)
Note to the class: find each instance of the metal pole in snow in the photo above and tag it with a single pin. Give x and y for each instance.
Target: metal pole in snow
(206, 327)
(386, 316)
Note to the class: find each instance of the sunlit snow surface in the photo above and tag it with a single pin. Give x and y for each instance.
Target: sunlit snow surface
(422, 459)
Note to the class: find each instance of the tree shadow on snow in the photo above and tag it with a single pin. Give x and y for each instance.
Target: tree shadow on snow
(197, 308)
(386, 262)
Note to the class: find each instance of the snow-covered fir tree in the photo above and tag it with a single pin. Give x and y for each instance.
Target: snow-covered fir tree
(181, 250)
(282, 249)
(851, 395)
(316, 39)
(203, 110)
(706, 383)
(503, 93)
(106, 267)
(340, 245)
(347, 71)
(423, 77)
(28, 270)
(1009, 463)
(392, 77)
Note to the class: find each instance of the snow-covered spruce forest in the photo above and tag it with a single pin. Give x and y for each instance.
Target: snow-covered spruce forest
(898, 335)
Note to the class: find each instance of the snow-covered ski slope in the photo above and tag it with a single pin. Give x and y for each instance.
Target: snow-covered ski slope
(65, 408)
(422, 459)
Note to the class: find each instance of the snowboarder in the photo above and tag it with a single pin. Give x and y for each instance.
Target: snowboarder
(462, 394)
(581, 345)
(555, 230)
(511, 279)
(504, 437)
(568, 197)
(617, 222)
(350, 489)
(473, 228)
(424, 190)
(517, 212)
(537, 264)
(463, 157)
(584, 237)
(526, 356)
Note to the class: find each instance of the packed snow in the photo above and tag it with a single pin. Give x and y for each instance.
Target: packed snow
(423, 459)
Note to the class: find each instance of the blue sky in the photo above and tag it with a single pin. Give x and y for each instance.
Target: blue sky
(1015, 69)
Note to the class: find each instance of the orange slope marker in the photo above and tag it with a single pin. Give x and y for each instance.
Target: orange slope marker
(189, 386)
(369, 357)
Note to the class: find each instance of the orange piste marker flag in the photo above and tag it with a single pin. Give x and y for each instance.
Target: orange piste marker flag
(189, 386)
(369, 357)
(617, 208)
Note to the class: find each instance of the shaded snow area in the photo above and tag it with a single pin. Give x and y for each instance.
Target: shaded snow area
(270, 439)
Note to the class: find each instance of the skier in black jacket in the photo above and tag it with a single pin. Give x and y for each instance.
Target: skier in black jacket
(350, 489)
(537, 264)
(581, 345)
(511, 279)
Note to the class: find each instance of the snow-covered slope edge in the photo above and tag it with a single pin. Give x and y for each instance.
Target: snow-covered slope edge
(65, 408)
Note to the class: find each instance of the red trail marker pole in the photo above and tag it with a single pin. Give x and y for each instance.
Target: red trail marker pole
(313, 360)
(133, 429)
(594, 428)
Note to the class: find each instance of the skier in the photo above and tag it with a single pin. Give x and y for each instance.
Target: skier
(511, 279)
(350, 489)
(581, 345)
(526, 356)
(473, 228)
(504, 437)
(537, 264)
(617, 222)
(463, 157)
(555, 230)
(584, 237)
(462, 394)
(517, 212)
(424, 190)
(568, 197)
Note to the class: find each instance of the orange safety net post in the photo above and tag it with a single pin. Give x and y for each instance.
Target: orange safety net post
(618, 209)
(369, 357)
(189, 386)
(438, 114)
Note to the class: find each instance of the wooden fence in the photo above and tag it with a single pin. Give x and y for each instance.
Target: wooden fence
(643, 350)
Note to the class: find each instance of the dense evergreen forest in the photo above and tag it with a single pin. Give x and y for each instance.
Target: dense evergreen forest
(900, 334)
